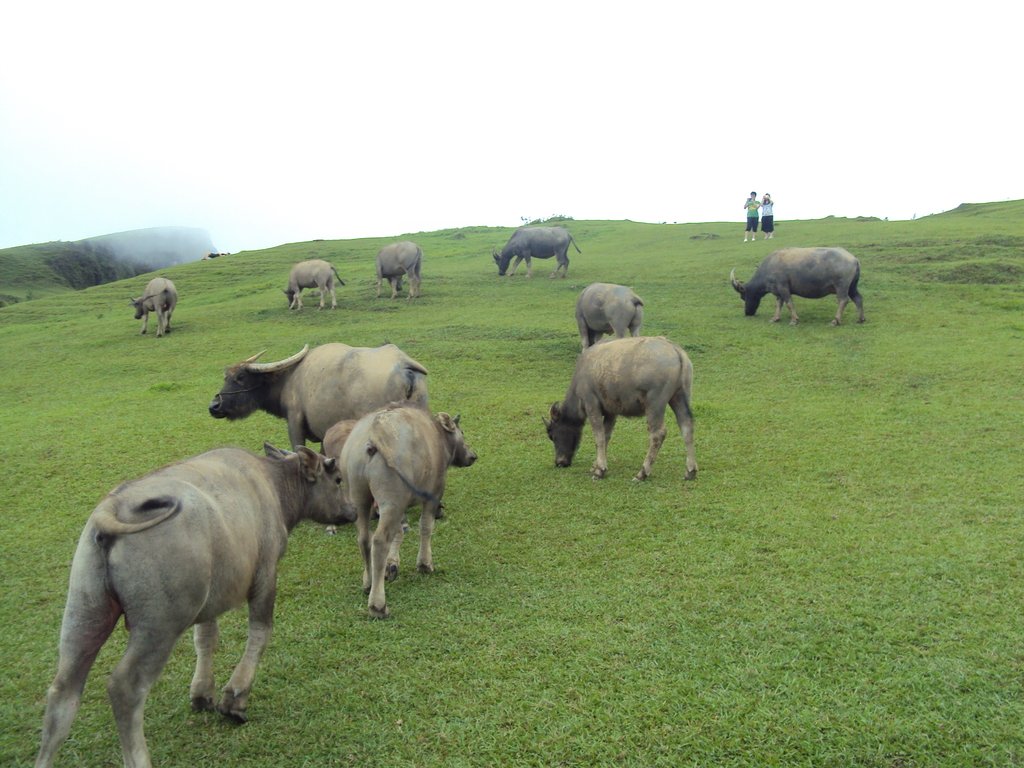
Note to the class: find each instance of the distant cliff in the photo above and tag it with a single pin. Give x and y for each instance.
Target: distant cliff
(29, 271)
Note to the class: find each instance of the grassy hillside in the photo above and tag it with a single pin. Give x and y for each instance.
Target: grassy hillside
(839, 587)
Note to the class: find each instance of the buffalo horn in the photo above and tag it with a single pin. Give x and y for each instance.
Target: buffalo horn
(274, 367)
(735, 283)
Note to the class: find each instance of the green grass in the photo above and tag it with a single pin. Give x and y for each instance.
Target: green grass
(841, 586)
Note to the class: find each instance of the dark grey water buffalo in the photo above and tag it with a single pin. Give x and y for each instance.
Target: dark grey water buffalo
(396, 260)
(536, 243)
(161, 297)
(608, 308)
(398, 457)
(808, 272)
(625, 377)
(173, 549)
(314, 273)
(314, 389)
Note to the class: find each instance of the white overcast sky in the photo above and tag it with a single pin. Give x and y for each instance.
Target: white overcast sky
(266, 123)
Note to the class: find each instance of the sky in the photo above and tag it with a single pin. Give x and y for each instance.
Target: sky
(270, 123)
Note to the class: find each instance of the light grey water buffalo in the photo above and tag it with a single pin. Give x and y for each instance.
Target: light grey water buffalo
(608, 308)
(625, 377)
(314, 273)
(808, 272)
(176, 548)
(314, 389)
(396, 260)
(398, 457)
(529, 243)
(161, 297)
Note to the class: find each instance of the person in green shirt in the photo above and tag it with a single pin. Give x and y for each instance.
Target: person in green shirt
(751, 205)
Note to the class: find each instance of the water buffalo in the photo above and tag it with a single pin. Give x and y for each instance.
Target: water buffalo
(161, 297)
(808, 272)
(625, 377)
(313, 389)
(398, 457)
(176, 548)
(314, 273)
(608, 308)
(536, 243)
(395, 260)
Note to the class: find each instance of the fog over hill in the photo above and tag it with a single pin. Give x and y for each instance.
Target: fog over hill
(28, 271)
(154, 248)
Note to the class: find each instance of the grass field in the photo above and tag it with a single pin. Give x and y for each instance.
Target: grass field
(841, 586)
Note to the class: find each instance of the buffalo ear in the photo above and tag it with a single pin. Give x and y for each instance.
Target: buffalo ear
(309, 462)
(447, 422)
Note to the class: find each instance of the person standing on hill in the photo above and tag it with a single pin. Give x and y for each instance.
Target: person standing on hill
(751, 205)
(767, 216)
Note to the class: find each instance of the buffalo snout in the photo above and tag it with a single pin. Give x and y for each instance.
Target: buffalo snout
(217, 408)
(563, 461)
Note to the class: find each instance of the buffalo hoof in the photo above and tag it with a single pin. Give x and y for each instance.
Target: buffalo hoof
(379, 613)
(236, 716)
(598, 473)
(691, 474)
(794, 322)
(425, 567)
(640, 476)
(834, 321)
(390, 571)
(202, 704)
(231, 710)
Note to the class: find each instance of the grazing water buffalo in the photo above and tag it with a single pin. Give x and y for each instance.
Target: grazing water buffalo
(536, 243)
(161, 297)
(625, 377)
(808, 272)
(398, 457)
(173, 549)
(315, 273)
(315, 389)
(608, 308)
(399, 259)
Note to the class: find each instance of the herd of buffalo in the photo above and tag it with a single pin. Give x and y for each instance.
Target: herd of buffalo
(187, 542)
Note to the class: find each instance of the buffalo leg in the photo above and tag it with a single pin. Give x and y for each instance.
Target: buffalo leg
(425, 559)
(656, 436)
(387, 527)
(235, 696)
(129, 685)
(838, 319)
(363, 537)
(334, 299)
(379, 281)
(599, 425)
(680, 405)
(858, 301)
(395, 552)
(88, 622)
(145, 323)
(204, 637)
